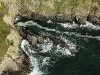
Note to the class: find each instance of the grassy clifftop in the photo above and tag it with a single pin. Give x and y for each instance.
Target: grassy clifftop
(58, 7)
(4, 31)
(62, 6)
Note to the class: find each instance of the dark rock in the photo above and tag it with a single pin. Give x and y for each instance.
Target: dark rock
(32, 39)
(93, 19)
(35, 16)
(62, 19)
(24, 68)
(54, 18)
(80, 20)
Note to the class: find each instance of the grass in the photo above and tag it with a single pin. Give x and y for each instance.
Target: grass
(59, 7)
(4, 31)
(39, 9)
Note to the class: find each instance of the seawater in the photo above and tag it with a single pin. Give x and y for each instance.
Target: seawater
(51, 59)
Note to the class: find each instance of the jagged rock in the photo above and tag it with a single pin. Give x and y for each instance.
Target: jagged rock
(23, 69)
(32, 39)
(40, 38)
(80, 19)
(93, 19)
(35, 16)
(43, 16)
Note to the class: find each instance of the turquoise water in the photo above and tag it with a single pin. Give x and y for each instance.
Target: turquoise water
(86, 40)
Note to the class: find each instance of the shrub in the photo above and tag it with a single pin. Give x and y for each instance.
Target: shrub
(10, 42)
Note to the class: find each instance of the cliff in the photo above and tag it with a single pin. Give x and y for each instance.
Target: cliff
(78, 11)
(61, 10)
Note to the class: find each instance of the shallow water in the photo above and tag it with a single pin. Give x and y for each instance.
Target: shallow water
(51, 59)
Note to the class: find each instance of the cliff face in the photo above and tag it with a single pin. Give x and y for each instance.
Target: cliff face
(62, 10)
(57, 10)
(79, 11)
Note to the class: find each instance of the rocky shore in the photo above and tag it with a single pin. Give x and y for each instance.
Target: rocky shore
(64, 18)
(15, 62)
(41, 11)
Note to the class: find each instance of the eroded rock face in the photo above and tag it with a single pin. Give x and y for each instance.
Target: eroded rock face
(23, 68)
(56, 10)
(93, 19)
(62, 11)
(44, 10)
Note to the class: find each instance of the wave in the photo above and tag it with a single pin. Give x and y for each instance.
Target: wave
(74, 25)
(34, 62)
(46, 47)
(42, 56)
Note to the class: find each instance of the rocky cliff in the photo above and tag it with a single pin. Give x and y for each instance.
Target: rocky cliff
(61, 10)
(78, 11)
(57, 10)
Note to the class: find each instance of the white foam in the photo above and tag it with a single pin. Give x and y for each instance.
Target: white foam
(28, 23)
(46, 61)
(68, 25)
(36, 70)
(17, 18)
(69, 43)
(74, 25)
(64, 51)
(34, 61)
(48, 44)
(45, 46)
(49, 21)
(32, 23)
(90, 26)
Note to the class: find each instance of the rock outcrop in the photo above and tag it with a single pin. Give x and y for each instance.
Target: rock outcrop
(78, 11)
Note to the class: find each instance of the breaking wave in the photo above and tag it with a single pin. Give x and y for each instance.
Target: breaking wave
(75, 36)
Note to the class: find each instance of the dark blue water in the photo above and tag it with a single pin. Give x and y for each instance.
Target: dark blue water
(87, 59)
(86, 62)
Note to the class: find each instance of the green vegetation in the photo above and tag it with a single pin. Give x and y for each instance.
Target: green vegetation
(62, 6)
(40, 7)
(58, 7)
(4, 31)
(10, 42)
(43, 6)
(9, 56)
